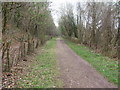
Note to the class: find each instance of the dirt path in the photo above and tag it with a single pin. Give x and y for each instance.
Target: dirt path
(76, 72)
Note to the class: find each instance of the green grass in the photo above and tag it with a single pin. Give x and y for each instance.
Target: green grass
(105, 65)
(44, 73)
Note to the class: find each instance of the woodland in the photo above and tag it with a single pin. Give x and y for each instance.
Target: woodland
(28, 26)
(95, 26)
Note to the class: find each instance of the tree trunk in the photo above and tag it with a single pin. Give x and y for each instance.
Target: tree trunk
(8, 58)
(118, 49)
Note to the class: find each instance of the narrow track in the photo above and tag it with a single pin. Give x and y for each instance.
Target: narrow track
(76, 72)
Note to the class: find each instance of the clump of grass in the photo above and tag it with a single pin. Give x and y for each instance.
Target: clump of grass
(105, 65)
(44, 73)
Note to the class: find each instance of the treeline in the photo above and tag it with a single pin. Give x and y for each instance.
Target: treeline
(26, 26)
(94, 24)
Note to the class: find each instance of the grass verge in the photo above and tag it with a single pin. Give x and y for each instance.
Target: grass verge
(44, 72)
(105, 65)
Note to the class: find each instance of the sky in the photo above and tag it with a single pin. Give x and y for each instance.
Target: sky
(57, 4)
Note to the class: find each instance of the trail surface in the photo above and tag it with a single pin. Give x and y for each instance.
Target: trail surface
(76, 72)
